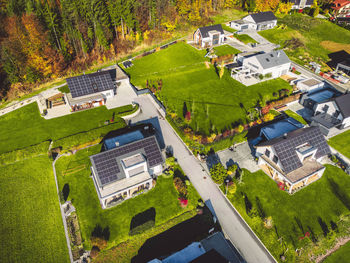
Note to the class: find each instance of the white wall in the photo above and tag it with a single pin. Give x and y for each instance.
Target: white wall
(304, 88)
(156, 170)
(331, 110)
(275, 71)
(108, 93)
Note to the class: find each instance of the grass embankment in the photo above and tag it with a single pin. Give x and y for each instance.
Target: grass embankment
(245, 39)
(295, 116)
(341, 143)
(225, 50)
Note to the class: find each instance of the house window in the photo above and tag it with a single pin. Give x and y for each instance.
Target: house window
(275, 159)
(267, 153)
(325, 108)
(336, 114)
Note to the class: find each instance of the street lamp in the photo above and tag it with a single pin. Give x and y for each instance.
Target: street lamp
(226, 181)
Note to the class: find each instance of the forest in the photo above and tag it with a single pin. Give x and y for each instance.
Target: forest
(45, 39)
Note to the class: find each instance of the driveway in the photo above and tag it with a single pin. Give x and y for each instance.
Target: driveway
(233, 225)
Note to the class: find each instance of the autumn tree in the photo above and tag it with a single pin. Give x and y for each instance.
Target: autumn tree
(266, 5)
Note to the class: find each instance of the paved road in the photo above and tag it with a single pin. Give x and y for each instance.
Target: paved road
(233, 225)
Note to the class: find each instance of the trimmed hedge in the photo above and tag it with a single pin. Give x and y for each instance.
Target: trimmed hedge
(28, 152)
(94, 135)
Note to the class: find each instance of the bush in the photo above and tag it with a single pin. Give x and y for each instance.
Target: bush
(218, 173)
(94, 252)
(142, 228)
(170, 161)
(98, 242)
(180, 187)
(232, 169)
(232, 188)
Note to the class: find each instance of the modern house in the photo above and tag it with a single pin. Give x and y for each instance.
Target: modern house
(123, 171)
(258, 21)
(209, 36)
(301, 4)
(308, 85)
(214, 249)
(333, 114)
(344, 66)
(341, 8)
(293, 159)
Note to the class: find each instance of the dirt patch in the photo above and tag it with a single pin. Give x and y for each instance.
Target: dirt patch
(334, 46)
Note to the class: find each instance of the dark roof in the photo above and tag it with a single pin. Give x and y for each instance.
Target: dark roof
(127, 64)
(285, 146)
(345, 62)
(297, 2)
(343, 103)
(277, 129)
(210, 256)
(107, 164)
(206, 29)
(326, 120)
(263, 17)
(90, 83)
(272, 59)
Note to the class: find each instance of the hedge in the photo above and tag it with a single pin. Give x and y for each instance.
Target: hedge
(25, 153)
(126, 110)
(142, 228)
(94, 135)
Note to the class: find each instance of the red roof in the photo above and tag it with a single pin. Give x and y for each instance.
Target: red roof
(339, 4)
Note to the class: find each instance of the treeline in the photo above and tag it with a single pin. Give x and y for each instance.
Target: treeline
(43, 39)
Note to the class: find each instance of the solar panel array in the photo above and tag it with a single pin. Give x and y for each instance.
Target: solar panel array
(286, 148)
(108, 168)
(90, 83)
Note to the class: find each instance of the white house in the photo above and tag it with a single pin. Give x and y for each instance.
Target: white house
(293, 159)
(301, 4)
(209, 36)
(333, 114)
(127, 170)
(258, 21)
(308, 85)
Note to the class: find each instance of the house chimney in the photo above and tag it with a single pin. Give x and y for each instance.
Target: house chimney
(285, 135)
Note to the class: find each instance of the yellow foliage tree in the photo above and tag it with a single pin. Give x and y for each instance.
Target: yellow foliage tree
(266, 5)
(284, 8)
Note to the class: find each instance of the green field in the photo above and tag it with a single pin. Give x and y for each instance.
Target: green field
(311, 32)
(225, 50)
(25, 126)
(84, 197)
(31, 227)
(341, 255)
(245, 38)
(341, 143)
(215, 103)
(227, 28)
(293, 215)
(295, 116)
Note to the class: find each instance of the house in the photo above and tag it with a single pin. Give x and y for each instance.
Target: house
(341, 8)
(301, 4)
(333, 114)
(124, 171)
(209, 36)
(309, 100)
(344, 66)
(214, 248)
(293, 159)
(308, 85)
(258, 21)
(270, 65)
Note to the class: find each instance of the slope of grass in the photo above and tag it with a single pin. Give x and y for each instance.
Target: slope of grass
(293, 215)
(25, 126)
(341, 255)
(295, 116)
(31, 227)
(341, 143)
(163, 198)
(225, 50)
(245, 38)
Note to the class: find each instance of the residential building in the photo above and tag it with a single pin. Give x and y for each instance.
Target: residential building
(214, 248)
(308, 85)
(123, 171)
(294, 159)
(344, 66)
(341, 8)
(209, 36)
(333, 114)
(258, 21)
(301, 4)
(311, 99)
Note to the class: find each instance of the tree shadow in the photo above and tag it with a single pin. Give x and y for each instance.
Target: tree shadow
(65, 191)
(101, 232)
(312, 235)
(261, 211)
(142, 221)
(299, 224)
(323, 226)
(339, 193)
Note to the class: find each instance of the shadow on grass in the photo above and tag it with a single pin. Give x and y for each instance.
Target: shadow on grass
(101, 232)
(339, 193)
(142, 221)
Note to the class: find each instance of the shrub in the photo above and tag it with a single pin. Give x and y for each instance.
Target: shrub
(268, 222)
(268, 117)
(180, 187)
(218, 173)
(170, 161)
(142, 228)
(94, 252)
(183, 202)
(98, 242)
(334, 159)
(232, 168)
(232, 188)
(240, 128)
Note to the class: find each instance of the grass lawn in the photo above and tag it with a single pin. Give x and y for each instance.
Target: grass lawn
(225, 50)
(31, 227)
(319, 36)
(25, 126)
(227, 28)
(163, 198)
(341, 143)
(293, 215)
(228, 15)
(341, 255)
(64, 89)
(295, 116)
(245, 38)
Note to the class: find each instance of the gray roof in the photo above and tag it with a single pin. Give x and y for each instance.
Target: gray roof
(285, 147)
(343, 103)
(263, 17)
(272, 59)
(326, 120)
(206, 29)
(107, 165)
(90, 83)
(297, 2)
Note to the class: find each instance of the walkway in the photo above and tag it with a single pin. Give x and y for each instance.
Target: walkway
(233, 225)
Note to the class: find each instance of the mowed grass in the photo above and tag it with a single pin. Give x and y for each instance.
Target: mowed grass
(225, 50)
(341, 143)
(163, 198)
(341, 255)
(311, 31)
(295, 116)
(31, 228)
(293, 215)
(25, 126)
(245, 38)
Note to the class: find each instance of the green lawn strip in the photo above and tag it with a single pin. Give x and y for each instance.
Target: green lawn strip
(227, 28)
(64, 89)
(225, 50)
(128, 249)
(228, 14)
(295, 116)
(25, 126)
(288, 211)
(164, 198)
(341, 143)
(341, 255)
(245, 38)
(31, 227)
